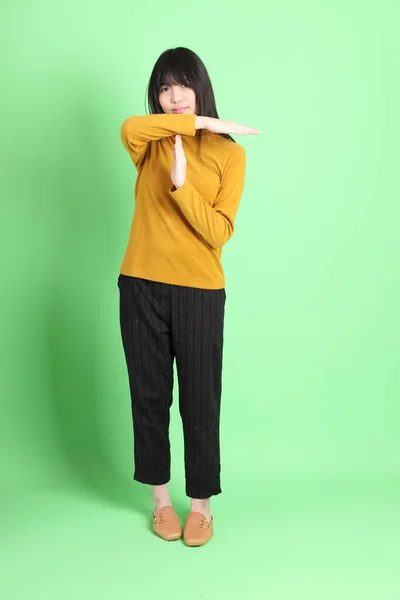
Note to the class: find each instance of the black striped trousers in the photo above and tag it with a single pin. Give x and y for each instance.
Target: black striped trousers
(161, 323)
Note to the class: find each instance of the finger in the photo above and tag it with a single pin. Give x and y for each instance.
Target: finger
(179, 146)
(242, 129)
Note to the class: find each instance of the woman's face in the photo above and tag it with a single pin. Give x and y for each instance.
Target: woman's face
(177, 99)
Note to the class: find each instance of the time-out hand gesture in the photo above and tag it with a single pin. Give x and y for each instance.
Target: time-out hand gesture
(178, 171)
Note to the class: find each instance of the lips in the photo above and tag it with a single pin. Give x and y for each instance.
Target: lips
(179, 110)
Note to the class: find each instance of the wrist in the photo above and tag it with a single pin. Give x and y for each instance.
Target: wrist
(200, 122)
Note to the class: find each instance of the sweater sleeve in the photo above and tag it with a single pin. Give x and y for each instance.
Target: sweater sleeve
(137, 132)
(215, 223)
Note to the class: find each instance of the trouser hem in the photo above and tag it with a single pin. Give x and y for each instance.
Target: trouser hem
(159, 480)
(192, 492)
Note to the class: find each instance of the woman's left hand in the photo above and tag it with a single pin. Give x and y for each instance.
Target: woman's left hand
(178, 171)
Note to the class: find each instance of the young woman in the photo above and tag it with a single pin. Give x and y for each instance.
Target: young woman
(190, 178)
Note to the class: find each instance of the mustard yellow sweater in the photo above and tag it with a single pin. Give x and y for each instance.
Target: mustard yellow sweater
(177, 235)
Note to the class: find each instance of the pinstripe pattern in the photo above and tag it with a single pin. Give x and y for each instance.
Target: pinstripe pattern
(161, 323)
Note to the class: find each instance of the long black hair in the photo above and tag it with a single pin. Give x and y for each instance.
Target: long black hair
(182, 66)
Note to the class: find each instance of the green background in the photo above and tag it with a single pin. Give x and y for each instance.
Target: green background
(310, 417)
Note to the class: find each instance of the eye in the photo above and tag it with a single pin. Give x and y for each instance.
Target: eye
(164, 87)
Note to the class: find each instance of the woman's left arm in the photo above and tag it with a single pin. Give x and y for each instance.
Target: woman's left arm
(215, 223)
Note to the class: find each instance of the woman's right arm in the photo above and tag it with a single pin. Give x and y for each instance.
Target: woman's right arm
(220, 126)
(137, 132)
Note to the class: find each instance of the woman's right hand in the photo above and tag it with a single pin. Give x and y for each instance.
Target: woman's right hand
(220, 126)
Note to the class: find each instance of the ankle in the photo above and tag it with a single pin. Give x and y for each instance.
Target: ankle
(201, 505)
(160, 496)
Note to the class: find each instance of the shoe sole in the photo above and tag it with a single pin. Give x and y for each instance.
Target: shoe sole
(168, 539)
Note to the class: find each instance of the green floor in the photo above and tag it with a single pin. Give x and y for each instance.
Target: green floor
(278, 540)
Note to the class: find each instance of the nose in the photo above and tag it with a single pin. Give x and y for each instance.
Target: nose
(176, 94)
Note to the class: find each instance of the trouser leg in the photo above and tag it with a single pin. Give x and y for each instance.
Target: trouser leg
(146, 336)
(197, 333)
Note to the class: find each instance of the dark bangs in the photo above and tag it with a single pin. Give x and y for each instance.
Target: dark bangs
(174, 70)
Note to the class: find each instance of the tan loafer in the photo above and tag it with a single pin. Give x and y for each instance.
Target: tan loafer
(166, 524)
(198, 530)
